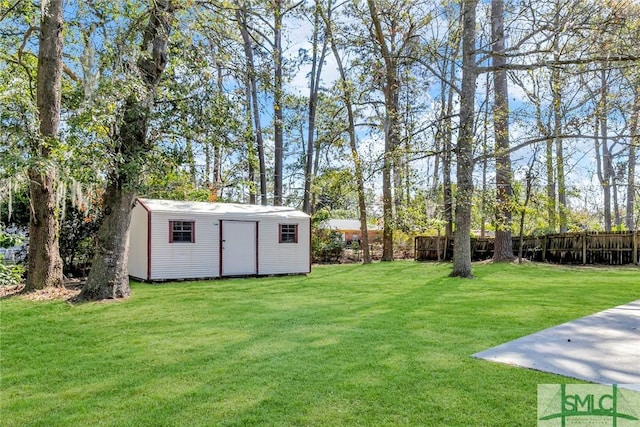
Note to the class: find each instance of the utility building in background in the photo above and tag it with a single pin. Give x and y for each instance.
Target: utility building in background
(171, 240)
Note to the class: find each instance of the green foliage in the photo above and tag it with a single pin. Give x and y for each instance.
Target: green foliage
(77, 231)
(319, 218)
(336, 190)
(8, 240)
(421, 215)
(383, 344)
(326, 244)
(18, 205)
(18, 123)
(170, 182)
(10, 274)
(403, 244)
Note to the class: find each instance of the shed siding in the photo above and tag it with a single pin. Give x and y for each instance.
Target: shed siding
(184, 260)
(138, 238)
(283, 258)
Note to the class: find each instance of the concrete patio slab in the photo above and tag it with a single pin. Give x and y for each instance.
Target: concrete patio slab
(602, 348)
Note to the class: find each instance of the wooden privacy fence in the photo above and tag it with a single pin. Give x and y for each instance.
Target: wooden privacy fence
(611, 248)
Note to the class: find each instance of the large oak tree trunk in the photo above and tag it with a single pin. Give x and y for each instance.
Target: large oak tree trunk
(45, 264)
(464, 198)
(109, 276)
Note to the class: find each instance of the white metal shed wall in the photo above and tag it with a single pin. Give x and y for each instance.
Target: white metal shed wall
(283, 258)
(184, 260)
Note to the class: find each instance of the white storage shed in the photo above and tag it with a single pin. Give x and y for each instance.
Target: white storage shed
(195, 240)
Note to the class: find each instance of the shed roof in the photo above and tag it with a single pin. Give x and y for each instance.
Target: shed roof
(178, 206)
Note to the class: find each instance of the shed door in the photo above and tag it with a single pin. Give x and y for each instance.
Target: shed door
(239, 248)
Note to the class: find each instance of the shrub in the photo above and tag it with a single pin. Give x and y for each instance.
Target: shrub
(77, 232)
(326, 244)
(10, 275)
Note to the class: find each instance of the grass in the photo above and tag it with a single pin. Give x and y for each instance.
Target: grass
(384, 344)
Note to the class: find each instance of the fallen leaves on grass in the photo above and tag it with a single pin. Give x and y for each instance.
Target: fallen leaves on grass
(9, 291)
(68, 292)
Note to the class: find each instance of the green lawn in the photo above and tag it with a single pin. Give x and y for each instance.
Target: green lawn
(384, 344)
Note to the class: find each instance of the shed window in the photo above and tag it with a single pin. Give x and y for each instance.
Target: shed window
(182, 232)
(288, 233)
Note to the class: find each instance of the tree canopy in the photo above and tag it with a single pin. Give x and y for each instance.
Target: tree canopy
(413, 115)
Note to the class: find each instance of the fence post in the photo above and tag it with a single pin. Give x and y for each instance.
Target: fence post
(544, 248)
(584, 248)
(636, 261)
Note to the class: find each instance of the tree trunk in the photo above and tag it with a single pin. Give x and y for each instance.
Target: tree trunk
(444, 129)
(503, 246)
(551, 187)
(191, 162)
(108, 277)
(391, 90)
(551, 172)
(278, 135)
(464, 199)
(241, 18)
(314, 79)
(447, 151)
(556, 89)
(562, 187)
(45, 264)
(484, 201)
(387, 204)
(248, 134)
(606, 176)
(631, 164)
(316, 168)
(346, 96)
(617, 219)
(207, 165)
(217, 145)
(527, 196)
